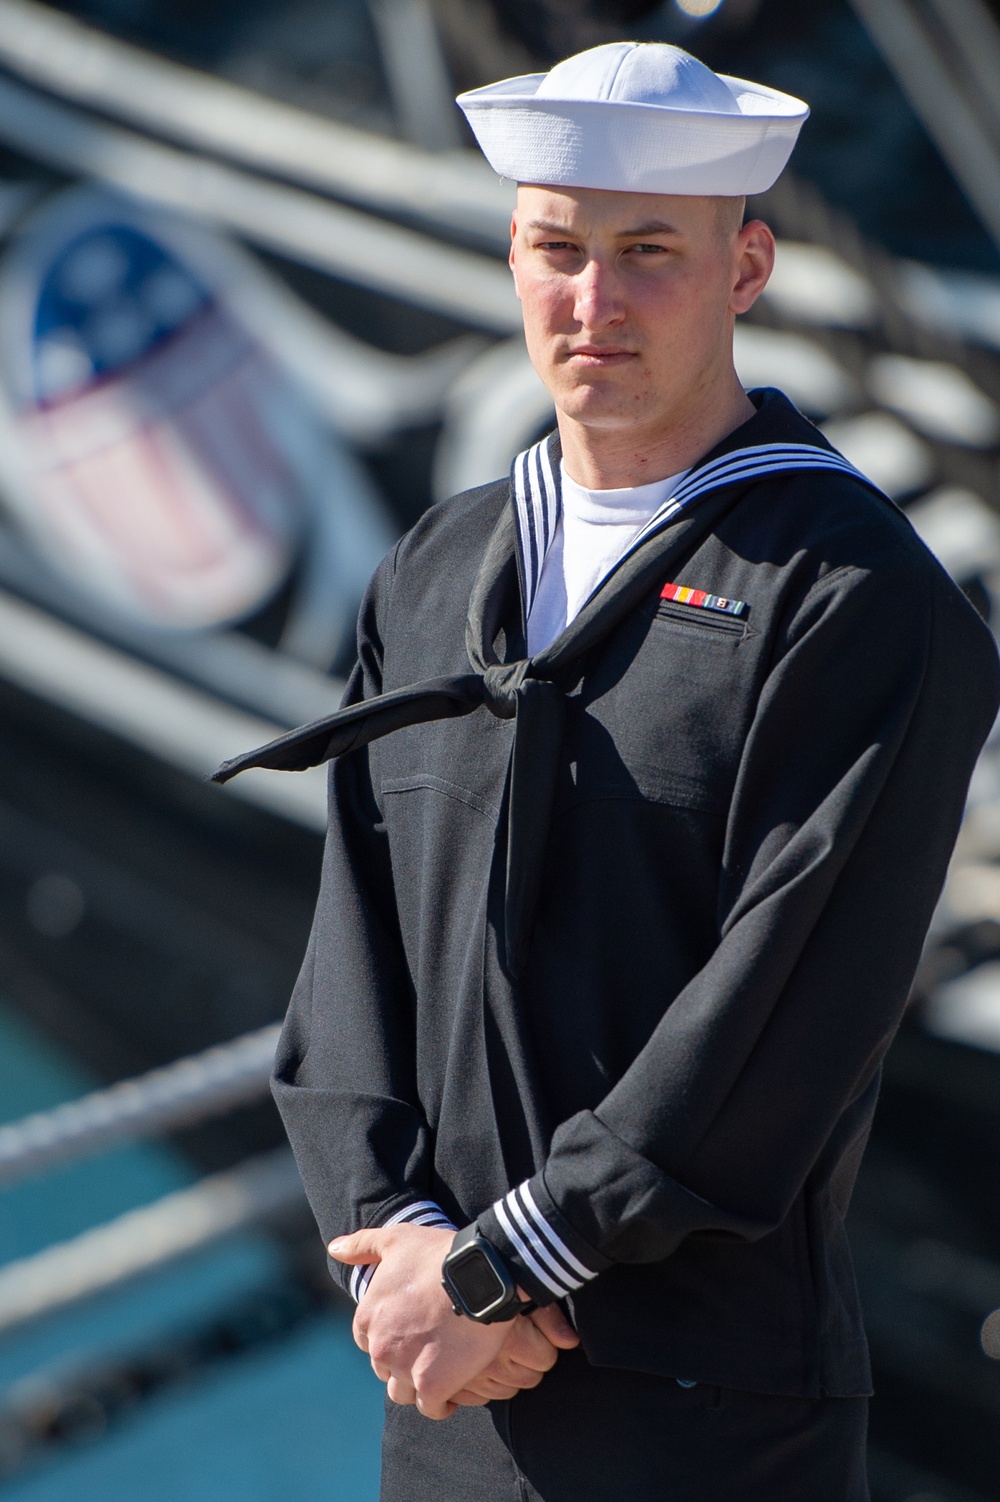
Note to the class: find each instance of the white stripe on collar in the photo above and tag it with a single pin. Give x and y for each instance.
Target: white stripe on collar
(538, 497)
(537, 502)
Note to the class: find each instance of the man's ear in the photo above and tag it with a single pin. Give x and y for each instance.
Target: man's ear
(511, 259)
(756, 262)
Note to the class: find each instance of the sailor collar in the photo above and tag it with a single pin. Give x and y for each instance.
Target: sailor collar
(536, 482)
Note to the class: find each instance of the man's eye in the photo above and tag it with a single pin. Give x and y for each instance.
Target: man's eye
(557, 245)
(651, 249)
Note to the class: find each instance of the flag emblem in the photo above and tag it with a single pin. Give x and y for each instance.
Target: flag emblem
(680, 594)
(147, 421)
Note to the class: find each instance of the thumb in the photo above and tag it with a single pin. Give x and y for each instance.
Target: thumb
(362, 1247)
(555, 1326)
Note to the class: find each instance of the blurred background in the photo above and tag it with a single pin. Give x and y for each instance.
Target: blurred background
(254, 319)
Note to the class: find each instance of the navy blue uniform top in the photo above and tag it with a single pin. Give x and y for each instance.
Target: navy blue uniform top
(748, 827)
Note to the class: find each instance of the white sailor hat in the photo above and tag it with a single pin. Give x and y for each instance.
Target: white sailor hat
(636, 117)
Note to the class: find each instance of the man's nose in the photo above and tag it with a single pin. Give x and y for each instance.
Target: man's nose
(598, 301)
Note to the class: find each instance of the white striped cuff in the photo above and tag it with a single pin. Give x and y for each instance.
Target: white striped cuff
(422, 1213)
(540, 1248)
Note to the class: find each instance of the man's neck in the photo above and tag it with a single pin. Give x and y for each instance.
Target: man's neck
(619, 458)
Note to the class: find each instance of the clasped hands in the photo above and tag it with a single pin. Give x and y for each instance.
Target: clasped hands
(418, 1347)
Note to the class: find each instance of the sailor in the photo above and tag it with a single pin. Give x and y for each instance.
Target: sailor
(641, 801)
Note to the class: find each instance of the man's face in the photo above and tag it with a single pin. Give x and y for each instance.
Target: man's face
(629, 299)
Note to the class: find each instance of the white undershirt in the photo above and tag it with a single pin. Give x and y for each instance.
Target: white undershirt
(594, 531)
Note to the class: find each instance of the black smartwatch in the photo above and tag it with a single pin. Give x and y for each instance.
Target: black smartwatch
(475, 1278)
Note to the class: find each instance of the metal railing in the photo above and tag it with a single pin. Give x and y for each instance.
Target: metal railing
(262, 1188)
(193, 1089)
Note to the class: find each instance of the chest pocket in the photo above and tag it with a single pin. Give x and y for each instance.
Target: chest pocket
(694, 618)
(664, 711)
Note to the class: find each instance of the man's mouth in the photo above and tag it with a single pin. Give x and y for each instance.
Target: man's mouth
(597, 355)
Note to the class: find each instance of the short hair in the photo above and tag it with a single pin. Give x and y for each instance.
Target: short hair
(730, 213)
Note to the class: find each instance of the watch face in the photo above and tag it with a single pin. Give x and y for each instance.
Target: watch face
(476, 1281)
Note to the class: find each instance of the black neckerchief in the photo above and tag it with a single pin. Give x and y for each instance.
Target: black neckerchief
(532, 690)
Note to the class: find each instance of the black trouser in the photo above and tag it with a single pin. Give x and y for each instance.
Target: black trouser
(591, 1434)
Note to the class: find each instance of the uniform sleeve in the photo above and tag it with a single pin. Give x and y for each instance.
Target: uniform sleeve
(845, 810)
(343, 1077)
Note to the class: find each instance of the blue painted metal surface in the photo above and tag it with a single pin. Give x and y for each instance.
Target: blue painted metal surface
(297, 1418)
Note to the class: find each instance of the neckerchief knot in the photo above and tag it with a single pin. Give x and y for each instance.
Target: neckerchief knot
(501, 682)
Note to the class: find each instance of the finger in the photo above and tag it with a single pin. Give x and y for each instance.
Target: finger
(511, 1372)
(402, 1392)
(360, 1334)
(467, 1399)
(555, 1327)
(517, 1376)
(485, 1387)
(529, 1346)
(382, 1372)
(494, 1390)
(501, 1380)
(363, 1246)
(436, 1408)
